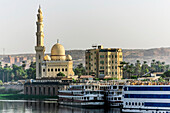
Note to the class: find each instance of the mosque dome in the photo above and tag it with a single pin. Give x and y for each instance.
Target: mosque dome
(58, 52)
(47, 58)
(68, 58)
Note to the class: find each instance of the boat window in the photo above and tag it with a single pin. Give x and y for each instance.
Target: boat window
(139, 103)
(126, 103)
(132, 103)
(136, 103)
(129, 103)
(114, 87)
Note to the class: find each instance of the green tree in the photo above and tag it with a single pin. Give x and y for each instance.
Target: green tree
(79, 70)
(61, 74)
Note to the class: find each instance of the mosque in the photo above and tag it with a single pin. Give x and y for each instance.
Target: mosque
(51, 66)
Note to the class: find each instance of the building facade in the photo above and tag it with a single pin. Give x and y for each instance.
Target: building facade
(104, 62)
(49, 66)
(44, 88)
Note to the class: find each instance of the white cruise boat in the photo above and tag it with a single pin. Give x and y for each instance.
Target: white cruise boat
(146, 99)
(87, 95)
(113, 95)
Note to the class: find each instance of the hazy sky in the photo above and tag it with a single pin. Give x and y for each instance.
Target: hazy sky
(80, 23)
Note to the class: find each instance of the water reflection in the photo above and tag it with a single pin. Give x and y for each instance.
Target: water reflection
(46, 107)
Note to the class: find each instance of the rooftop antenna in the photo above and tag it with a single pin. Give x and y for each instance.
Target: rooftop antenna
(57, 40)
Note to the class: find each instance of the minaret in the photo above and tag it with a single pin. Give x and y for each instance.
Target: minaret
(39, 48)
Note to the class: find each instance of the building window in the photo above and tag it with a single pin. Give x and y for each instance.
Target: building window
(39, 90)
(58, 69)
(44, 91)
(101, 67)
(115, 56)
(115, 67)
(106, 56)
(43, 70)
(48, 69)
(26, 90)
(101, 56)
(49, 91)
(51, 70)
(53, 90)
(120, 56)
(39, 69)
(55, 69)
(112, 62)
(112, 67)
(102, 62)
(109, 56)
(31, 90)
(62, 69)
(65, 69)
(39, 57)
(116, 73)
(35, 91)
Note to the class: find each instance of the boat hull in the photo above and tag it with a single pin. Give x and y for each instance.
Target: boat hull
(82, 104)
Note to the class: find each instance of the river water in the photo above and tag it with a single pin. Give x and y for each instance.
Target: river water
(19, 106)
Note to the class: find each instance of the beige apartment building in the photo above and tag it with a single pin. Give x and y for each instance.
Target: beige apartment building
(104, 62)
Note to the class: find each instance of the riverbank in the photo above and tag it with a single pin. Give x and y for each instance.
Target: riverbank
(25, 97)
